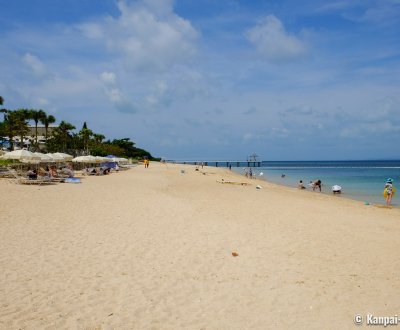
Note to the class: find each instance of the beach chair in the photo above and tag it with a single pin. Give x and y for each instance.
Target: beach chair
(16, 178)
(6, 172)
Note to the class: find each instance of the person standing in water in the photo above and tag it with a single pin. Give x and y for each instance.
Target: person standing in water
(389, 191)
(317, 185)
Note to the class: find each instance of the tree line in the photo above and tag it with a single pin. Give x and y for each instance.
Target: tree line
(63, 138)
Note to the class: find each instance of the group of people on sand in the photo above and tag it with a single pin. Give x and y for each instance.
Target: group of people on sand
(98, 171)
(249, 173)
(313, 184)
(50, 172)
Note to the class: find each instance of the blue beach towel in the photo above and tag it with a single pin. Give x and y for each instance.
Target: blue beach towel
(73, 180)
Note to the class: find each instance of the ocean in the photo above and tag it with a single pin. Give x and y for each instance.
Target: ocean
(360, 180)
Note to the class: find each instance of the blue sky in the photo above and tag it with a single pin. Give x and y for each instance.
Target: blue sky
(287, 79)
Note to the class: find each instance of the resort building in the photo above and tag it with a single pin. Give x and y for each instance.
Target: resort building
(30, 137)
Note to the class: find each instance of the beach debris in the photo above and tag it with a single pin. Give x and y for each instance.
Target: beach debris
(183, 171)
(235, 254)
(366, 203)
(261, 174)
(233, 182)
(258, 187)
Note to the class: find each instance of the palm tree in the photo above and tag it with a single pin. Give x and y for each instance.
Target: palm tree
(9, 127)
(63, 130)
(85, 135)
(22, 117)
(98, 138)
(16, 124)
(36, 116)
(3, 110)
(46, 121)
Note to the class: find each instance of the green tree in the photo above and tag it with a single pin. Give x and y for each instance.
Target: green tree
(23, 116)
(63, 132)
(85, 134)
(16, 124)
(8, 128)
(36, 116)
(98, 138)
(4, 111)
(105, 149)
(46, 121)
(130, 150)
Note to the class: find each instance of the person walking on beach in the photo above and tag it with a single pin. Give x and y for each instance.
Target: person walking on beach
(389, 191)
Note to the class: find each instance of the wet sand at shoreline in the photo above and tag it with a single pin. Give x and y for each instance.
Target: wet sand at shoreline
(152, 249)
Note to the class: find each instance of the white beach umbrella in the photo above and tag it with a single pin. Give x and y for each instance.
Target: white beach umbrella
(99, 159)
(84, 159)
(56, 158)
(21, 155)
(44, 158)
(30, 161)
(66, 157)
(80, 159)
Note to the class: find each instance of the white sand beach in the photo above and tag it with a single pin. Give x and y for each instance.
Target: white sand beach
(152, 249)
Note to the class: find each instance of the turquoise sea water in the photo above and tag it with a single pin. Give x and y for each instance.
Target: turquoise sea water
(360, 180)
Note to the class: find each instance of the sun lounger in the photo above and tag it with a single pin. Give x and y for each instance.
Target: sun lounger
(6, 172)
(39, 181)
(16, 178)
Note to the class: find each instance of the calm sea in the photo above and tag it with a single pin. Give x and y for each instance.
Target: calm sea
(360, 180)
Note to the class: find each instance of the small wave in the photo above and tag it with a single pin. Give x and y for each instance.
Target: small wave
(312, 167)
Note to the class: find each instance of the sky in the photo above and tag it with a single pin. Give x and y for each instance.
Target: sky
(212, 79)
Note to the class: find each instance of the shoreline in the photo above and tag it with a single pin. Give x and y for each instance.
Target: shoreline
(356, 195)
(153, 248)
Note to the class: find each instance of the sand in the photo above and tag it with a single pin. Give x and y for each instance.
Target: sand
(152, 249)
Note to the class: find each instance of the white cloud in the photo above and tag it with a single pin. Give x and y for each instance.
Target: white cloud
(161, 96)
(147, 34)
(35, 64)
(115, 95)
(92, 30)
(108, 78)
(273, 42)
